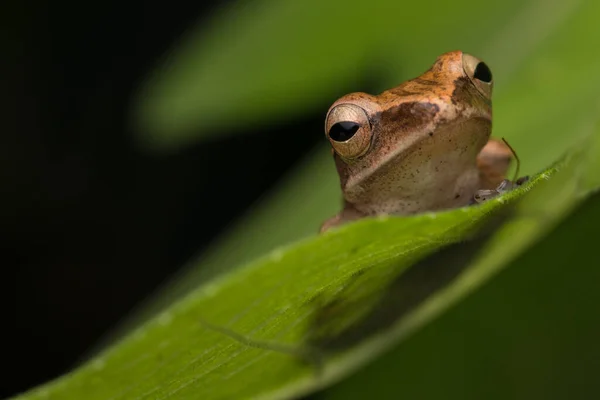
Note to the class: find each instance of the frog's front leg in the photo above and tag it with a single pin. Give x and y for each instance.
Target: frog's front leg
(348, 213)
(493, 162)
(486, 194)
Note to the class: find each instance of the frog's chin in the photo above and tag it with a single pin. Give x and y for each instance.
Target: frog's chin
(422, 174)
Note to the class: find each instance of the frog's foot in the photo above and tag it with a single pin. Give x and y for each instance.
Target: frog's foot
(349, 213)
(330, 223)
(486, 194)
(522, 180)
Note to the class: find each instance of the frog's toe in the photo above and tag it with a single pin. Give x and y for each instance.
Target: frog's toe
(330, 223)
(522, 180)
(483, 195)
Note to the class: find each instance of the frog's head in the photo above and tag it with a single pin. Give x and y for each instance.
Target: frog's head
(377, 140)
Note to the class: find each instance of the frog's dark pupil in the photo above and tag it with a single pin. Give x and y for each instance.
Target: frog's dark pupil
(483, 73)
(342, 131)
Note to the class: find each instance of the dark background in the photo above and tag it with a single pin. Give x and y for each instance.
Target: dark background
(90, 224)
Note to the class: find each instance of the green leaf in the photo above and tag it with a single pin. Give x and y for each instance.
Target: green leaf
(192, 350)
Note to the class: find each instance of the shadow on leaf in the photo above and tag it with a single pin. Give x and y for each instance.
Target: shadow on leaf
(379, 309)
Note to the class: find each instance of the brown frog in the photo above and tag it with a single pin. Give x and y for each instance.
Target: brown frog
(422, 146)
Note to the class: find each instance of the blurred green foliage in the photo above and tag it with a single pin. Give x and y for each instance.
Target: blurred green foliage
(258, 61)
(519, 308)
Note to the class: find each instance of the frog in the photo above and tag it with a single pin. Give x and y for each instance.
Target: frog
(422, 146)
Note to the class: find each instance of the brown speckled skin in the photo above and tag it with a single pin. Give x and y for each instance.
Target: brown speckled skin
(427, 135)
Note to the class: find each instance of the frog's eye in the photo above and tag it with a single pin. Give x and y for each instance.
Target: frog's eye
(482, 72)
(349, 130)
(479, 73)
(344, 130)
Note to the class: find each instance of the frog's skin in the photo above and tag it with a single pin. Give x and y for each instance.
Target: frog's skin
(421, 146)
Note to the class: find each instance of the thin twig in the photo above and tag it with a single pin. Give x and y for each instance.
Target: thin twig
(516, 158)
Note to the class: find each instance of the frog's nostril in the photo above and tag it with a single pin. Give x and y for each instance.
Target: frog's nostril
(344, 130)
